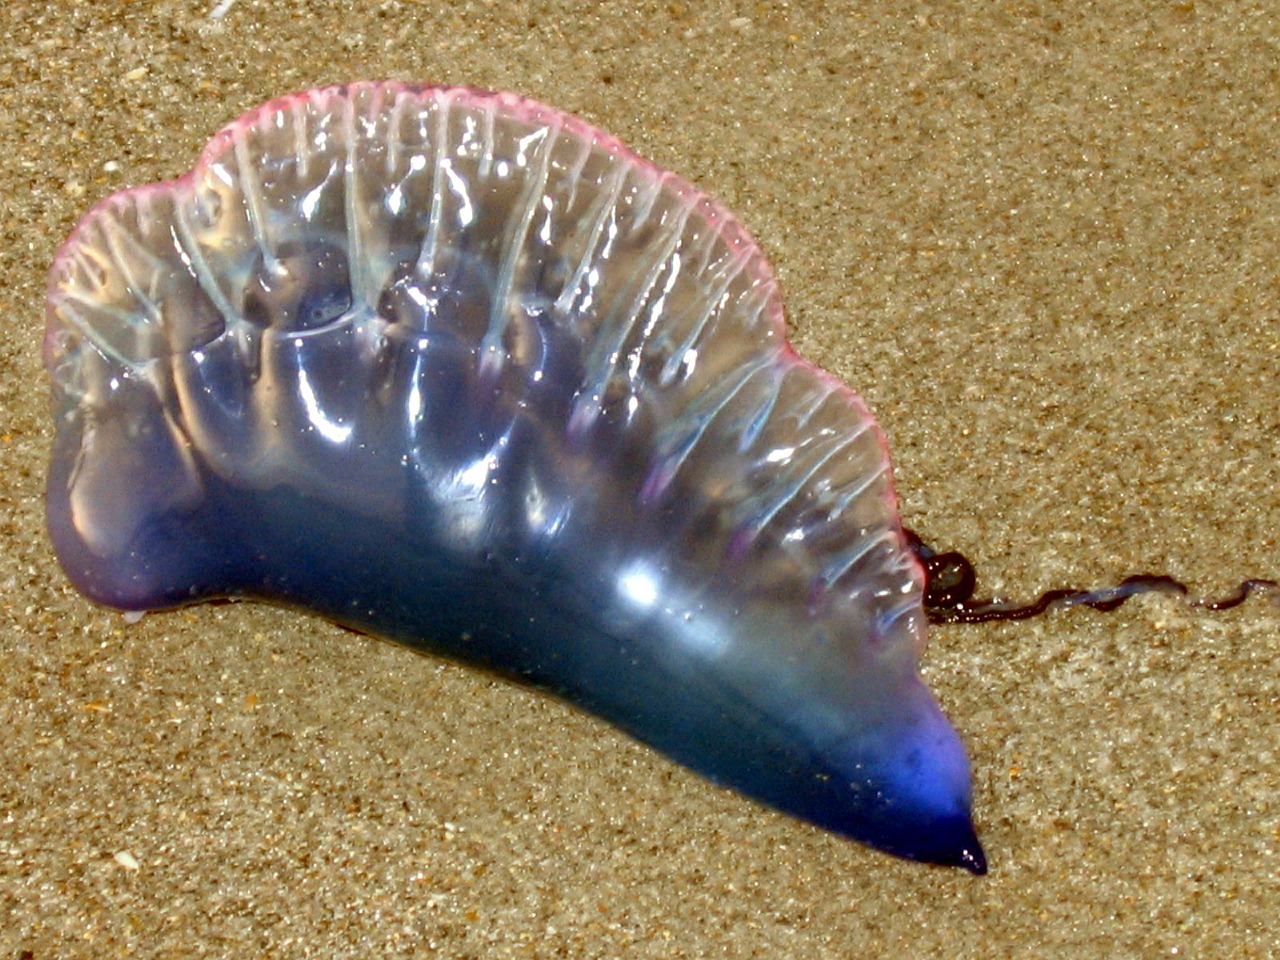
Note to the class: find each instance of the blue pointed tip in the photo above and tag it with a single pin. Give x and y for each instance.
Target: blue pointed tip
(957, 845)
(948, 841)
(921, 773)
(974, 860)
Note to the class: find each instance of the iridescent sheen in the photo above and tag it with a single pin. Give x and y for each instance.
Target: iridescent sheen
(457, 369)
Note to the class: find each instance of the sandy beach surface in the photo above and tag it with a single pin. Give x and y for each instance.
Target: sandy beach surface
(1043, 242)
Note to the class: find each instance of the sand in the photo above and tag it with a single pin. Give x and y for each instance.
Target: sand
(1041, 241)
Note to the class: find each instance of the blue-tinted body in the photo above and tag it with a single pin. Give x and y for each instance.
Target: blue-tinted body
(544, 422)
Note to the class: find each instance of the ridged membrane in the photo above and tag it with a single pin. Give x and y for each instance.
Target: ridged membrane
(456, 368)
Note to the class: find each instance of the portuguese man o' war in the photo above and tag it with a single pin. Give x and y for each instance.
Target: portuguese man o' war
(457, 369)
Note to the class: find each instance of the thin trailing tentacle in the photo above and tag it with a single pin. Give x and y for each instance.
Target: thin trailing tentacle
(951, 583)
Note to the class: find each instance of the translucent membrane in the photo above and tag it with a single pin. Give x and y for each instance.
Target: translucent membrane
(457, 369)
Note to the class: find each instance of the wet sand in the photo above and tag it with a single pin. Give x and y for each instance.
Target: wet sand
(1041, 245)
